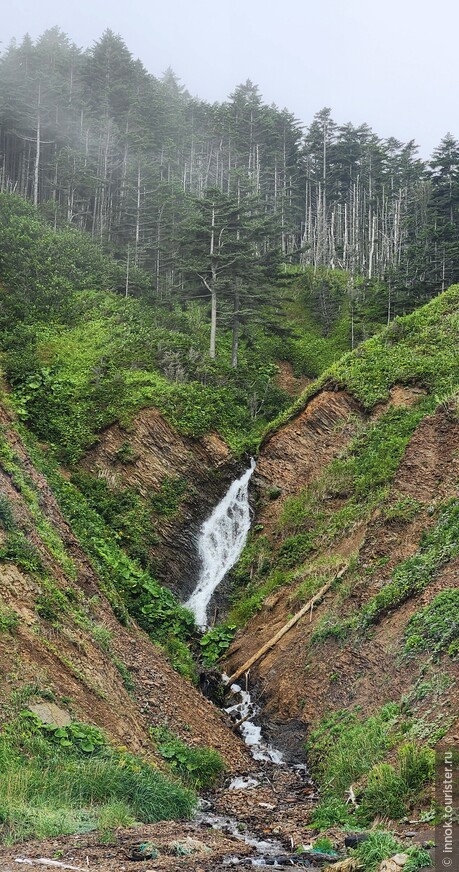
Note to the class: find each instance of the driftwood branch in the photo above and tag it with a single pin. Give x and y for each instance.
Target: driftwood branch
(285, 629)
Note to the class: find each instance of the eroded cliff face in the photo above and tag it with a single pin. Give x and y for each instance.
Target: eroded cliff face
(300, 681)
(201, 470)
(68, 644)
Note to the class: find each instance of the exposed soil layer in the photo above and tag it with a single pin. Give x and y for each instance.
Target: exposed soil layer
(159, 456)
(294, 455)
(65, 660)
(288, 381)
(302, 682)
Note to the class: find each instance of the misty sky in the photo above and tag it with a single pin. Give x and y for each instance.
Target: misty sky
(392, 64)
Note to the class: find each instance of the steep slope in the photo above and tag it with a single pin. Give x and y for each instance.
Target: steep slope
(179, 478)
(362, 475)
(61, 639)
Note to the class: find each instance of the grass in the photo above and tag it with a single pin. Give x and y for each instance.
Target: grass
(380, 845)
(343, 748)
(9, 619)
(130, 588)
(49, 788)
(439, 546)
(410, 577)
(30, 491)
(346, 751)
(328, 509)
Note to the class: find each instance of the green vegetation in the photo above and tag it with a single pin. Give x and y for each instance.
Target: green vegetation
(69, 780)
(215, 642)
(9, 619)
(323, 844)
(380, 845)
(417, 349)
(30, 491)
(124, 511)
(198, 767)
(129, 587)
(82, 738)
(350, 488)
(347, 751)
(411, 577)
(437, 548)
(436, 627)
(80, 359)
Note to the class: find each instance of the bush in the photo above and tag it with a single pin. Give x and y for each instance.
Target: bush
(197, 767)
(215, 642)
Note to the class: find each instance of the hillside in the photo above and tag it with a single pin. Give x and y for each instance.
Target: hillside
(119, 434)
(362, 475)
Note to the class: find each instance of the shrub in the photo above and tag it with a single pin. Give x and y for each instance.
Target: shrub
(215, 642)
(198, 767)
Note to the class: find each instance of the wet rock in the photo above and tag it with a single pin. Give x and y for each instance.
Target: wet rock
(321, 857)
(354, 839)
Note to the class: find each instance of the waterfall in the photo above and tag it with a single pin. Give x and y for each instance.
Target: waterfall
(221, 540)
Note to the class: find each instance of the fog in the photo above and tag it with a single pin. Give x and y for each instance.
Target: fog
(391, 65)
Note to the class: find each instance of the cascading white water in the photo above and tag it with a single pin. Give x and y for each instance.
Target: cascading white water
(221, 540)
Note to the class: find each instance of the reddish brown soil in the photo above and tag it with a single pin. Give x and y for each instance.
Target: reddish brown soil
(66, 661)
(160, 455)
(301, 682)
(288, 381)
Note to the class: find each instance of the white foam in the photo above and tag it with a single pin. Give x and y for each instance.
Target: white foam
(221, 540)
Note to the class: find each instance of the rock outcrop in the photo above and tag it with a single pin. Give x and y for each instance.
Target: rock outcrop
(158, 456)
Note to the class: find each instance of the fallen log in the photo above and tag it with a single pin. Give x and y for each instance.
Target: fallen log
(288, 626)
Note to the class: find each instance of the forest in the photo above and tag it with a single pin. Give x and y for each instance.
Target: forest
(218, 317)
(202, 201)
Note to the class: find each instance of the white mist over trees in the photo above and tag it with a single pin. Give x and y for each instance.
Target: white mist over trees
(203, 197)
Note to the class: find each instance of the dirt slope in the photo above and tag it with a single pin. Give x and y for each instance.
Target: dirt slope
(298, 681)
(158, 456)
(62, 660)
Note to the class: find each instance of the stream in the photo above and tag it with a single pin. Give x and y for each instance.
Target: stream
(221, 540)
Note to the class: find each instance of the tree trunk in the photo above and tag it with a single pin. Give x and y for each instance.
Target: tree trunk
(235, 346)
